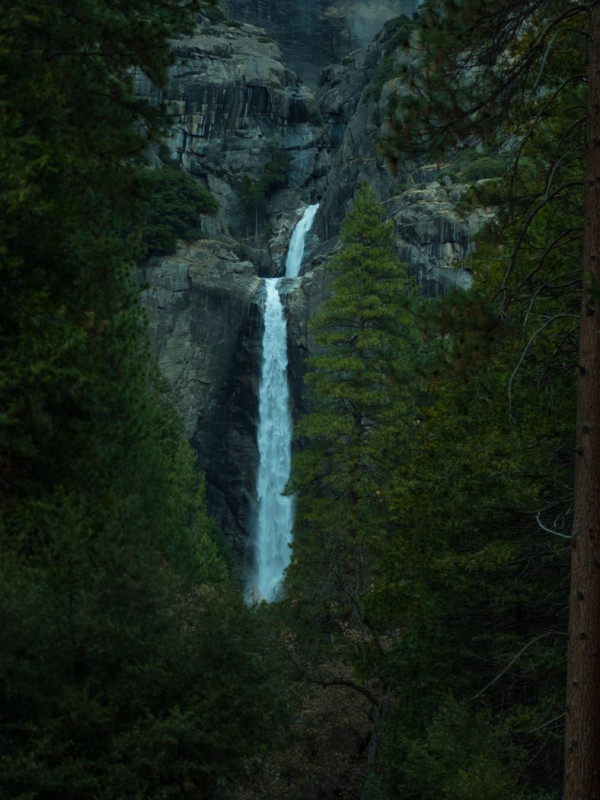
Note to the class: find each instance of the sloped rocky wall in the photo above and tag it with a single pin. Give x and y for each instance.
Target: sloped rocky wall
(203, 307)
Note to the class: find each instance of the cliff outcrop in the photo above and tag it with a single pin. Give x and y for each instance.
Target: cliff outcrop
(233, 97)
(234, 103)
(433, 230)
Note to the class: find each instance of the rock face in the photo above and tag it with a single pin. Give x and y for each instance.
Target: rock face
(232, 97)
(233, 100)
(205, 320)
(435, 238)
(316, 33)
(432, 235)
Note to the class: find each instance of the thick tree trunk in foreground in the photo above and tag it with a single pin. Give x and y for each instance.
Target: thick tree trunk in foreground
(582, 742)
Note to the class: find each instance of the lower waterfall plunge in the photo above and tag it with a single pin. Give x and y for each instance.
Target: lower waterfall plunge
(275, 511)
(275, 517)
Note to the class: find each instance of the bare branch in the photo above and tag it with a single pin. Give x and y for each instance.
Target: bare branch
(524, 353)
(516, 658)
(549, 530)
(350, 685)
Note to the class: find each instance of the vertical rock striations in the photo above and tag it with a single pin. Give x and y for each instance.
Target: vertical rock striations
(232, 98)
(205, 325)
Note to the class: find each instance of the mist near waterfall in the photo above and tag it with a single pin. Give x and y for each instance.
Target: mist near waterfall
(367, 18)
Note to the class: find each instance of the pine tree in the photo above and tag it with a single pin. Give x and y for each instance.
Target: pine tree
(119, 623)
(362, 407)
(497, 68)
(473, 589)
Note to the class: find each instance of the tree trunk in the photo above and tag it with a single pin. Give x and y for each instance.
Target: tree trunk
(582, 739)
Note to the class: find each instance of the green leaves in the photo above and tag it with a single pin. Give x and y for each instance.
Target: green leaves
(356, 397)
(462, 757)
(126, 652)
(174, 208)
(275, 174)
(433, 512)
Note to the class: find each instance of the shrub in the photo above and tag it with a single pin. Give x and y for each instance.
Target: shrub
(214, 14)
(174, 203)
(484, 167)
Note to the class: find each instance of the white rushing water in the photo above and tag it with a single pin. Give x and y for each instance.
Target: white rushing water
(275, 510)
(295, 254)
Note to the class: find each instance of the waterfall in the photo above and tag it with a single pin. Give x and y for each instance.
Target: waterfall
(293, 262)
(275, 511)
(275, 517)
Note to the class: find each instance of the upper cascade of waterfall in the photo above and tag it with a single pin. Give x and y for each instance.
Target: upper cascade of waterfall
(293, 262)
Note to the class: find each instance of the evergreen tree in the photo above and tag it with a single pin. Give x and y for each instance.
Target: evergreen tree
(492, 62)
(274, 176)
(125, 648)
(175, 204)
(360, 393)
(473, 592)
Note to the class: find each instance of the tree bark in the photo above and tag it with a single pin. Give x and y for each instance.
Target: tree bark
(582, 736)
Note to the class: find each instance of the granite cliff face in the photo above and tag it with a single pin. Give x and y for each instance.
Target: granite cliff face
(232, 97)
(317, 33)
(432, 234)
(203, 306)
(233, 100)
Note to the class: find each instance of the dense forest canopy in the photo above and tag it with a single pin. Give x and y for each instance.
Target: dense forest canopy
(447, 465)
(526, 76)
(456, 620)
(114, 586)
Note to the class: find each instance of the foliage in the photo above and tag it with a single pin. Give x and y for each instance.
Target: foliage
(124, 644)
(276, 172)
(214, 13)
(462, 758)
(461, 617)
(359, 426)
(471, 165)
(174, 206)
(274, 176)
(467, 570)
(114, 686)
(426, 595)
(396, 38)
(474, 587)
(357, 388)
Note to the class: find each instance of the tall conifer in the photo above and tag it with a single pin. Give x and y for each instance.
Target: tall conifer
(360, 395)
(502, 70)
